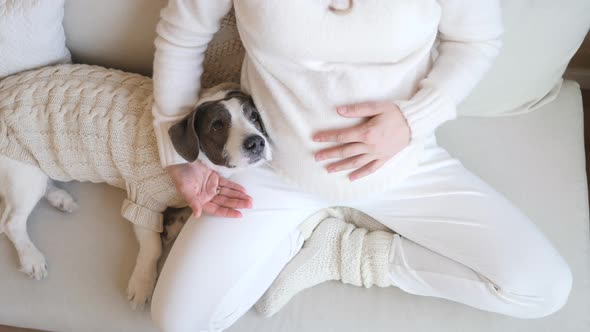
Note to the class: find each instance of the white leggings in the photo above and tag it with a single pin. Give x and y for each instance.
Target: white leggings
(459, 240)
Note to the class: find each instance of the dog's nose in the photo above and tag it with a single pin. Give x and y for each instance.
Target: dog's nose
(254, 144)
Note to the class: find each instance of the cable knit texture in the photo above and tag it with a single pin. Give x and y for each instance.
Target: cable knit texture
(224, 55)
(88, 123)
(303, 61)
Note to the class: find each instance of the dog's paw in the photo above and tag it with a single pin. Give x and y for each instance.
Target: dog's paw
(62, 200)
(140, 289)
(171, 232)
(173, 215)
(34, 265)
(174, 220)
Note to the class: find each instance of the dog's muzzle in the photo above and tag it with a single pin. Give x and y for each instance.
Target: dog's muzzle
(254, 147)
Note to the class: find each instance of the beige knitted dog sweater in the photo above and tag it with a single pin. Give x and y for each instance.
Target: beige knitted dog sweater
(88, 123)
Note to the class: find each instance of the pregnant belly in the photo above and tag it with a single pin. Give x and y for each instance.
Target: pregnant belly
(294, 160)
(296, 103)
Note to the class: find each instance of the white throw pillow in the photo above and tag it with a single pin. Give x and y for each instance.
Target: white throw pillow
(541, 38)
(31, 35)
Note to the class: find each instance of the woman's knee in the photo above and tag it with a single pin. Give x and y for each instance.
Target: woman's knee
(557, 292)
(206, 284)
(165, 318)
(545, 293)
(172, 311)
(191, 283)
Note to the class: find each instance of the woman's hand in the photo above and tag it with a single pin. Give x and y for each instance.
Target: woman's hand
(205, 190)
(368, 146)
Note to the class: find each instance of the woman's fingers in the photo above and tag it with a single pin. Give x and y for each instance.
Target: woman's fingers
(368, 169)
(232, 203)
(224, 204)
(359, 133)
(350, 163)
(347, 135)
(362, 110)
(212, 183)
(343, 151)
(231, 185)
(229, 196)
(221, 211)
(231, 193)
(197, 208)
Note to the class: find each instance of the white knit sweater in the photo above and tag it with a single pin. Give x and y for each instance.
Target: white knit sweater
(88, 123)
(303, 60)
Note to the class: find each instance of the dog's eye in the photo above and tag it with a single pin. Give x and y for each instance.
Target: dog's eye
(254, 117)
(217, 125)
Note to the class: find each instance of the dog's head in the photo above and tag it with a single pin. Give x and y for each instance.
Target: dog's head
(224, 130)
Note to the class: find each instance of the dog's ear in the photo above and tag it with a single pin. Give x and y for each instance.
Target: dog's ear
(184, 137)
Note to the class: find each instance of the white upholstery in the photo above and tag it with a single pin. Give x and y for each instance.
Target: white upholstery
(31, 35)
(541, 37)
(536, 160)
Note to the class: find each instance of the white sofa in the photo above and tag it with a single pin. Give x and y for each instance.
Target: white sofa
(536, 159)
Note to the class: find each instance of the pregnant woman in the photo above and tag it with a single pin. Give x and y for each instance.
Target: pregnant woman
(351, 92)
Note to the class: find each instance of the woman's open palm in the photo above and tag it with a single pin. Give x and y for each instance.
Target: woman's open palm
(205, 191)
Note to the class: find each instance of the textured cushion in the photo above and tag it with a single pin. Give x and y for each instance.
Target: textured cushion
(541, 37)
(31, 35)
(91, 252)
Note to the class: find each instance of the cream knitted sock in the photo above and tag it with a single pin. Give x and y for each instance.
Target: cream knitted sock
(336, 250)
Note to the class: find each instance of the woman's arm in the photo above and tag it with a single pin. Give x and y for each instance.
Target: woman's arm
(185, 29)
(470, 33)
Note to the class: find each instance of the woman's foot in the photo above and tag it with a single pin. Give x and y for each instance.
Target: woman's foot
(335, 250)
(315, 263)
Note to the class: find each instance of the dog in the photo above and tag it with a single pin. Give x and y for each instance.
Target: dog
(224, 131)
(174, 221)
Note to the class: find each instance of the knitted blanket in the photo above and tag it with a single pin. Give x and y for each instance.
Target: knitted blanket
(88, 123)
(224, 55)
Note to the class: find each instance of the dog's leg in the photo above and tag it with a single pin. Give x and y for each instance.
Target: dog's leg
(174, 220)
(31, 259)
(143, 280)
(59, 198)
(21, 187)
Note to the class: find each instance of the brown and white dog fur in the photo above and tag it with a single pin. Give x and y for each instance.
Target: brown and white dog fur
(224, 131)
